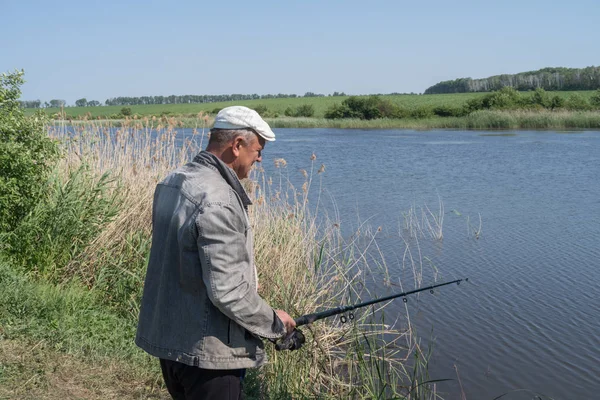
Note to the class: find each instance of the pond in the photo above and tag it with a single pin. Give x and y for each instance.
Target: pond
(521, 219)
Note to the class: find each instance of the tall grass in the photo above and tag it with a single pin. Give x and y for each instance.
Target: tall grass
(304, 261)
(478, 120)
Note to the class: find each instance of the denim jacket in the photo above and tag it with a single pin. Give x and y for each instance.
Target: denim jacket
(200, 305)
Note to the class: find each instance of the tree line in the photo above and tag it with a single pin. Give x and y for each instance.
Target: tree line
(507, 98)
(172, 99)
(546, 78)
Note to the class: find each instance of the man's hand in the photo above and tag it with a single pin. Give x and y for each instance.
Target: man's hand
(288, 321)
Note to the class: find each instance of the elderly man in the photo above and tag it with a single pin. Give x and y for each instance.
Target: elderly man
(201, 313)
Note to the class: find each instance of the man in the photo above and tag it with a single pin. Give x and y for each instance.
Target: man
(201, 313)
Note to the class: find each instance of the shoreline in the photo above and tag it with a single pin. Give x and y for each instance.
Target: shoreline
(479, 120)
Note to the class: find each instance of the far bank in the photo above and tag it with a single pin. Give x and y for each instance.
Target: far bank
(485, 119)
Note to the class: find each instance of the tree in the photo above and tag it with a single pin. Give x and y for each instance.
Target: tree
(56, 103)
(93, 103)
(81, 102)
(540, 97)
(27, 154)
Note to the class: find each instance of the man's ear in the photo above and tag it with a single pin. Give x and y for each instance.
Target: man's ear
(238, 142)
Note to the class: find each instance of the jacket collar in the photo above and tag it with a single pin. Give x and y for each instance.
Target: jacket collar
(210, 160)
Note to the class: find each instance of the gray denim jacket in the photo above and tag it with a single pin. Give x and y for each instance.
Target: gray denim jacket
(200, 305)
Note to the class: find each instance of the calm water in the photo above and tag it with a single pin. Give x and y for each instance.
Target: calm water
(530, 319)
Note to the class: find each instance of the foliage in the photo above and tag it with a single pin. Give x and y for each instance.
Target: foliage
(576, 102)
(448, 111)
(62, 223)
(540, 97)
(546, 78)
(557, 102)
(126, 111)
(81, 102)
(264, 111)
(57, 103)
(27, 154)
(595, 99)
(422, 112)
(303, 110)
(368, 108)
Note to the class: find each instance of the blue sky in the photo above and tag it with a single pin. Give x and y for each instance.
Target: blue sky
(74, 49)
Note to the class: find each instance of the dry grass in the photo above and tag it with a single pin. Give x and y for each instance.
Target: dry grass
(304, 262)
(36, 371)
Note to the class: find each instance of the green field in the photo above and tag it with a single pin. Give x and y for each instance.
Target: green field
(320, 104)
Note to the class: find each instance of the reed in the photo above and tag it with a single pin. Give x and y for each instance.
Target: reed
(305, 264)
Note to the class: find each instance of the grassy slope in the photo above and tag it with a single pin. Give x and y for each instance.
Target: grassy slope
(321, 104)
(60, 342)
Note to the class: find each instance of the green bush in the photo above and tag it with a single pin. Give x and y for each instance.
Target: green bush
(595, 99)
(422, 112)
(27, 154)
(576, 102)
(338, 111)
(557, 102)
(505, 98)
(371, 107)
(63, 222)
(304, 110)
(364, 107)
(540, 97)
(261, 109)
(448, 111)
(126, 111)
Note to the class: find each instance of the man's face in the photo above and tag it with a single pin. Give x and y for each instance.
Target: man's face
(248, 154)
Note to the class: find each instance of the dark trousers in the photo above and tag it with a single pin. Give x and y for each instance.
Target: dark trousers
(185, 382)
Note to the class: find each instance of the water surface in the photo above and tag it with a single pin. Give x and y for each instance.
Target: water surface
(531, 317)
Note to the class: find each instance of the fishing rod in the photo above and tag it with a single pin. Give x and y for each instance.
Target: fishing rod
(295, 340)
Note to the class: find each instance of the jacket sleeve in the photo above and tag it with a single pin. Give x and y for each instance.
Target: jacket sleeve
(227, 271)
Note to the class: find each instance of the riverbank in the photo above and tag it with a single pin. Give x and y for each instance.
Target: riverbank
(478, 120)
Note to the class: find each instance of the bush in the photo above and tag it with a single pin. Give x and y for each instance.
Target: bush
(448, 111)
(305, 110)
(595, 99)
(364, 108)
(338, 111)
(541, 98)
(576, 102)
(27, 155)
(505, 98)
(557, 102)
(261, 109)
(63, 223)
(371, 107)
(126, 111)
(421, 112)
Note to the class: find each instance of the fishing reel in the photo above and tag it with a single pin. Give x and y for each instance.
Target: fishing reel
(293, 341)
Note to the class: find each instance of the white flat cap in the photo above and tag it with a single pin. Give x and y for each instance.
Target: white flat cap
(239, 117)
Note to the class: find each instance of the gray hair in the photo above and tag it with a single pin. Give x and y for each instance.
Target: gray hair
(220, 137)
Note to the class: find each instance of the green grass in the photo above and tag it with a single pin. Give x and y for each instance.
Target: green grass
(51, 331)
(321, 104)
